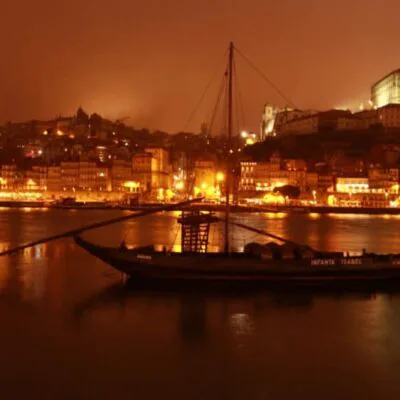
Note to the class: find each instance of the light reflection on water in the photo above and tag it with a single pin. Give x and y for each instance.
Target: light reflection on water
(70, 330)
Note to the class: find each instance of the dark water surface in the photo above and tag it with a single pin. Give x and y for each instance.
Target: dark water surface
(69, 330)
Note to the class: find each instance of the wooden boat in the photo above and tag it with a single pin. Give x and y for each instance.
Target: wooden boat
(239, 269)
(196, 266)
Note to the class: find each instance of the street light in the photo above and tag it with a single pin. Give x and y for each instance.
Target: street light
(220, 177)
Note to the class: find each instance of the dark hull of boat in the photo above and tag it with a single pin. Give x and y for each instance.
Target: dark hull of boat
(151, 269)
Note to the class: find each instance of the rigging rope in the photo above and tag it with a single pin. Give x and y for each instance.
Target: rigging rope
(224, 121)
(289, 102)
(239, 99)
(202, 96)
(216, 107)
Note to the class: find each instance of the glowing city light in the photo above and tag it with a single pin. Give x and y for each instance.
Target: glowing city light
(249, 141)
(180, 185)
(220, 176)
(131, 184)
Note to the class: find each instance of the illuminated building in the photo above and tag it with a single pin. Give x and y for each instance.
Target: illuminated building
(352, 185)
(386, 90)
(142, 166)
(102, 153)
(326, 121)
(369, 200)
(297, 178)
(296, 164)
(87, 175)
(262, 176)
(9, 176)
(389, 116)
(384, 178)
(268, 121)
(121, 172)
(69, 175)
(44, 127)
(33, 150)
(286, 115)
(36, 178)
(325, 182)
(54, 178)
(311, 181)
(385, 154)
(103, 179)
(161, 169)
(368, 117)
(205, 177)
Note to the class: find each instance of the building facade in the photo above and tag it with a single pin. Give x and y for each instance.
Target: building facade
(161, 171)
(121, 173)
(143, 165)
(326, 121)
(386, 90)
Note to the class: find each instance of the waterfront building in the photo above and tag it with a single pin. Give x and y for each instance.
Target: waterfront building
(161, 169)
(297, 173)
(386, 90)
(326, 181)
(205, 175)
(262, 176)
(36, 178)
(9, 177)
(54, 178)
(143, 165)
(362, 199)
(350, 184)
(312, 181)
(103, 179)
(384, 178)
(87, 175)
(121, 173)
(69, 175)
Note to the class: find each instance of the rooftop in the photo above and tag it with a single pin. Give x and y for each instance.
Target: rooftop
(396, 71)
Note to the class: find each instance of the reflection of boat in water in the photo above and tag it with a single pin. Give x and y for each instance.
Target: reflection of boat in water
(195, 266)
(125, 296)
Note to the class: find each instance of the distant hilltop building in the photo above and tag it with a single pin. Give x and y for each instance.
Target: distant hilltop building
(275, 119)
(386, 90)
(382, 110)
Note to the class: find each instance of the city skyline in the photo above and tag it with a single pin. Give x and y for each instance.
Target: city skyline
(152, 61)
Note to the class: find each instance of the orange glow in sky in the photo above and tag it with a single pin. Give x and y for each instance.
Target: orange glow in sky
(151, 60)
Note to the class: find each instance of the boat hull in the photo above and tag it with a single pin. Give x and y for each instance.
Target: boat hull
(146, 267)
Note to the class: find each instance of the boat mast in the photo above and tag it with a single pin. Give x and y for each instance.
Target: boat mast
(228, 160)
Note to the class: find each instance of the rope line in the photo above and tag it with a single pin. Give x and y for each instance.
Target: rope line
(288, 101)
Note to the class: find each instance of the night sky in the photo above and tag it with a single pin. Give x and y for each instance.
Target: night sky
(152, 59)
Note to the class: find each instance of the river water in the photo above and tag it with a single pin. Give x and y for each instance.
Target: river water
(69, 329)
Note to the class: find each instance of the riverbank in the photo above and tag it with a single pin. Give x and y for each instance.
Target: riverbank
(204, 207)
